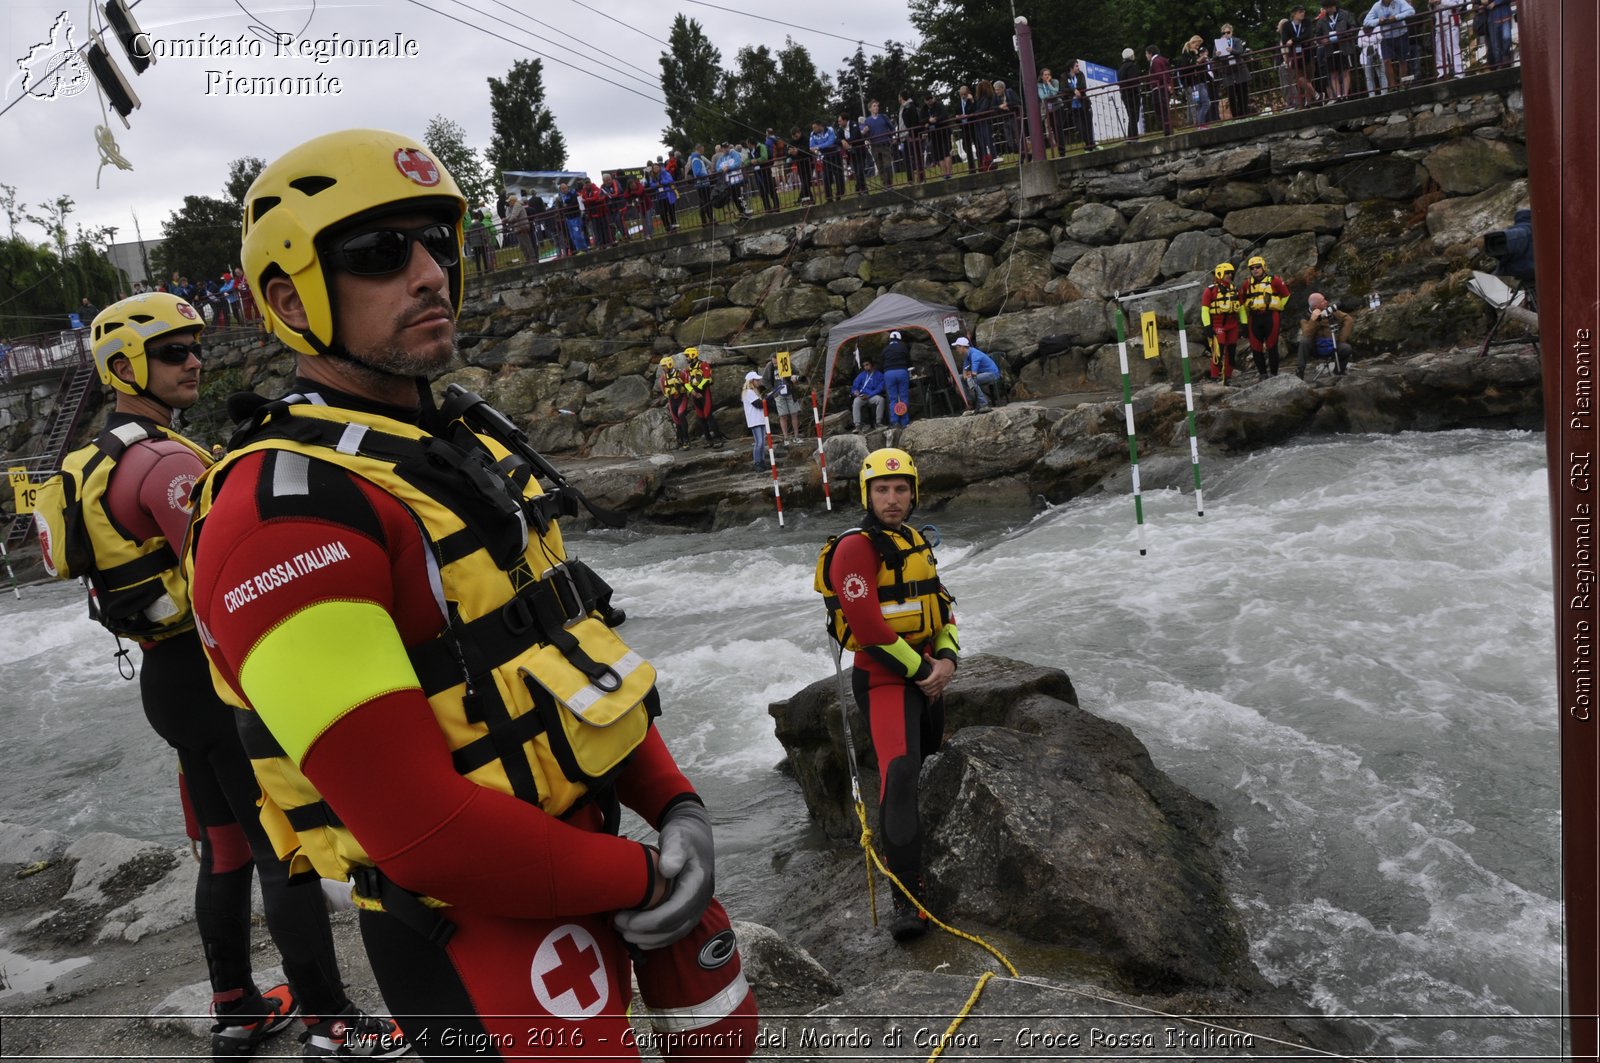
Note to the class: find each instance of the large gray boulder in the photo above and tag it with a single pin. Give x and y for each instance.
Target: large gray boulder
(619, 401)
(1084, 322)
(845, 232)
(1464, 219)
(1123, 267)
(1096, 224)
(798, 303)
(1047, 821)
(1193, 252)
(1469, 165)
(1285, 218)
(912, 225)
(1163, 220)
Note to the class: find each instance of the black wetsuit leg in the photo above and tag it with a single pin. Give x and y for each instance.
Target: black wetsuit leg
(183, 708)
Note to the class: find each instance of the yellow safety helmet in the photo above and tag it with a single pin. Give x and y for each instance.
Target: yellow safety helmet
(668, 362)
(329, 183)
(1222, 268)
(692, 353)
(1257, 260)
(887, 461)
(125, 327)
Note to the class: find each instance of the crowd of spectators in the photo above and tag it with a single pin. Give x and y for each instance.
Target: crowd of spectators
(220, 301)
(1314, 59)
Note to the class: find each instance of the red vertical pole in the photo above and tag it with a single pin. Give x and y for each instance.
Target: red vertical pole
(1560, 88)
(772, 461)
(1029, 92)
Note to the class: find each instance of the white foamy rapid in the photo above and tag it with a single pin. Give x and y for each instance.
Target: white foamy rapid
(1351, 655)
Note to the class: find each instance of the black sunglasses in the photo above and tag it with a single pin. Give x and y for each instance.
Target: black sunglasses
(175, 353)
(378, 252)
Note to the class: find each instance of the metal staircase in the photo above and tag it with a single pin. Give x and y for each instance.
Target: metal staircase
(70, 397)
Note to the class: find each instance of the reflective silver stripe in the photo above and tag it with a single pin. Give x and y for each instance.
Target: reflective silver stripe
(896, 608)
(719, 1007)
(585, 699)
(130, 433)
(350, 441)
(291, 474)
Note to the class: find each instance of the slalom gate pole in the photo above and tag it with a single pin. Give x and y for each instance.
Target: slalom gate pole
(1133, 442)
(1188, 405)
(822, 455)
(10, 572)
(772, 463)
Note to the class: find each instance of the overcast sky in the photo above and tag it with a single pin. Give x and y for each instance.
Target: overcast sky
(189, 128)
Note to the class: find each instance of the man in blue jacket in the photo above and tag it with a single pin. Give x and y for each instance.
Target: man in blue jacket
(867, 389)
(824, 144)
(977, 369)
(880, 137)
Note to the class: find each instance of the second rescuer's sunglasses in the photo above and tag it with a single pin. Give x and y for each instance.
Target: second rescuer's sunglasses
(378, 252)
(175, 353)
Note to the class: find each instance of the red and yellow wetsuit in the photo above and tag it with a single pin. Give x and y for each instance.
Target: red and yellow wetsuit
(898, 622)
(1262, 302)
(320, 600)
(1219, 312)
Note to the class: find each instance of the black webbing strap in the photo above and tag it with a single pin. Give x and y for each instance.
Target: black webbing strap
(138, 570)
(312, 816)
(538, 616)
(374, 885)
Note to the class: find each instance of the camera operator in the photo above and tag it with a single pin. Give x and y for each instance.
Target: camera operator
(1325, 332)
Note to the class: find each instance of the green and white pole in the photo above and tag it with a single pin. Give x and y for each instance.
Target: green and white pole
(10, 572)
(1133, 442)
(1188, 405)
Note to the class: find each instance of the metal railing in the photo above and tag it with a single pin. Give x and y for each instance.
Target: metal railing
(1435, 44)
(42, 352)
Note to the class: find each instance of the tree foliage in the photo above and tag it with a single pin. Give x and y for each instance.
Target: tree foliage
(242, 173)
(199, 241)
(882, 77)
(45, 281)
(448, 142)
(525, 134)
(776, 91)
(692, 83)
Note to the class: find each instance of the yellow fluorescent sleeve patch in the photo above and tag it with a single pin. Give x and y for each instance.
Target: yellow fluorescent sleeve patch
(320, 663)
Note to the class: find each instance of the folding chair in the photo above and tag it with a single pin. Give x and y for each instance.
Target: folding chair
(1508, 303)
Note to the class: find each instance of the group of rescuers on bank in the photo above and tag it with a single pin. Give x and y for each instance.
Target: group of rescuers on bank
(1251, 310)
(363, 637)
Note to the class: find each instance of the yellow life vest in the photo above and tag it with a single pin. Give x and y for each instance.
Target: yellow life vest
(672, 385)
(1259, 295)
(535, 694)
(1225, 301)
(137, 589)
(913, 601)
(699, 376)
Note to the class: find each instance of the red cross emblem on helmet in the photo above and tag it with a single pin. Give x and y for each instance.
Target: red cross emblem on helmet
(417, 166)
(891, 464)
(187, 311)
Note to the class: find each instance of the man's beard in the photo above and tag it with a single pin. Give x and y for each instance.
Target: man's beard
(390, 359)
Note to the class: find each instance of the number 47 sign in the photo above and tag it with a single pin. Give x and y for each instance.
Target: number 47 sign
(23, 488)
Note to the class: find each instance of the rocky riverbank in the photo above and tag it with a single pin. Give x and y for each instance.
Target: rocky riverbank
(1054, 837)
(1035, 451)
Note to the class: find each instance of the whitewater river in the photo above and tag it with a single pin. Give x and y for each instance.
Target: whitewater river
(1351, 655)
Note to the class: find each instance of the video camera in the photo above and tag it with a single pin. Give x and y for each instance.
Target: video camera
(1512, 247)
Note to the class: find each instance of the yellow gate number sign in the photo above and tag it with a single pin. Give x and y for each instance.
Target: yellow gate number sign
(24, 489)
(785, 368)
(1147, 325)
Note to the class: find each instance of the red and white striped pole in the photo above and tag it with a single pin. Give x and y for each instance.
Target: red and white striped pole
(772, 463)
(822, 455)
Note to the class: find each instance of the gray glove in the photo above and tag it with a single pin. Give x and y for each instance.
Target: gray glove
(688, 859)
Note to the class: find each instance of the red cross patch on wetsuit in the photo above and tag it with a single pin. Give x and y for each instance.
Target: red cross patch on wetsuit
(569, 975)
